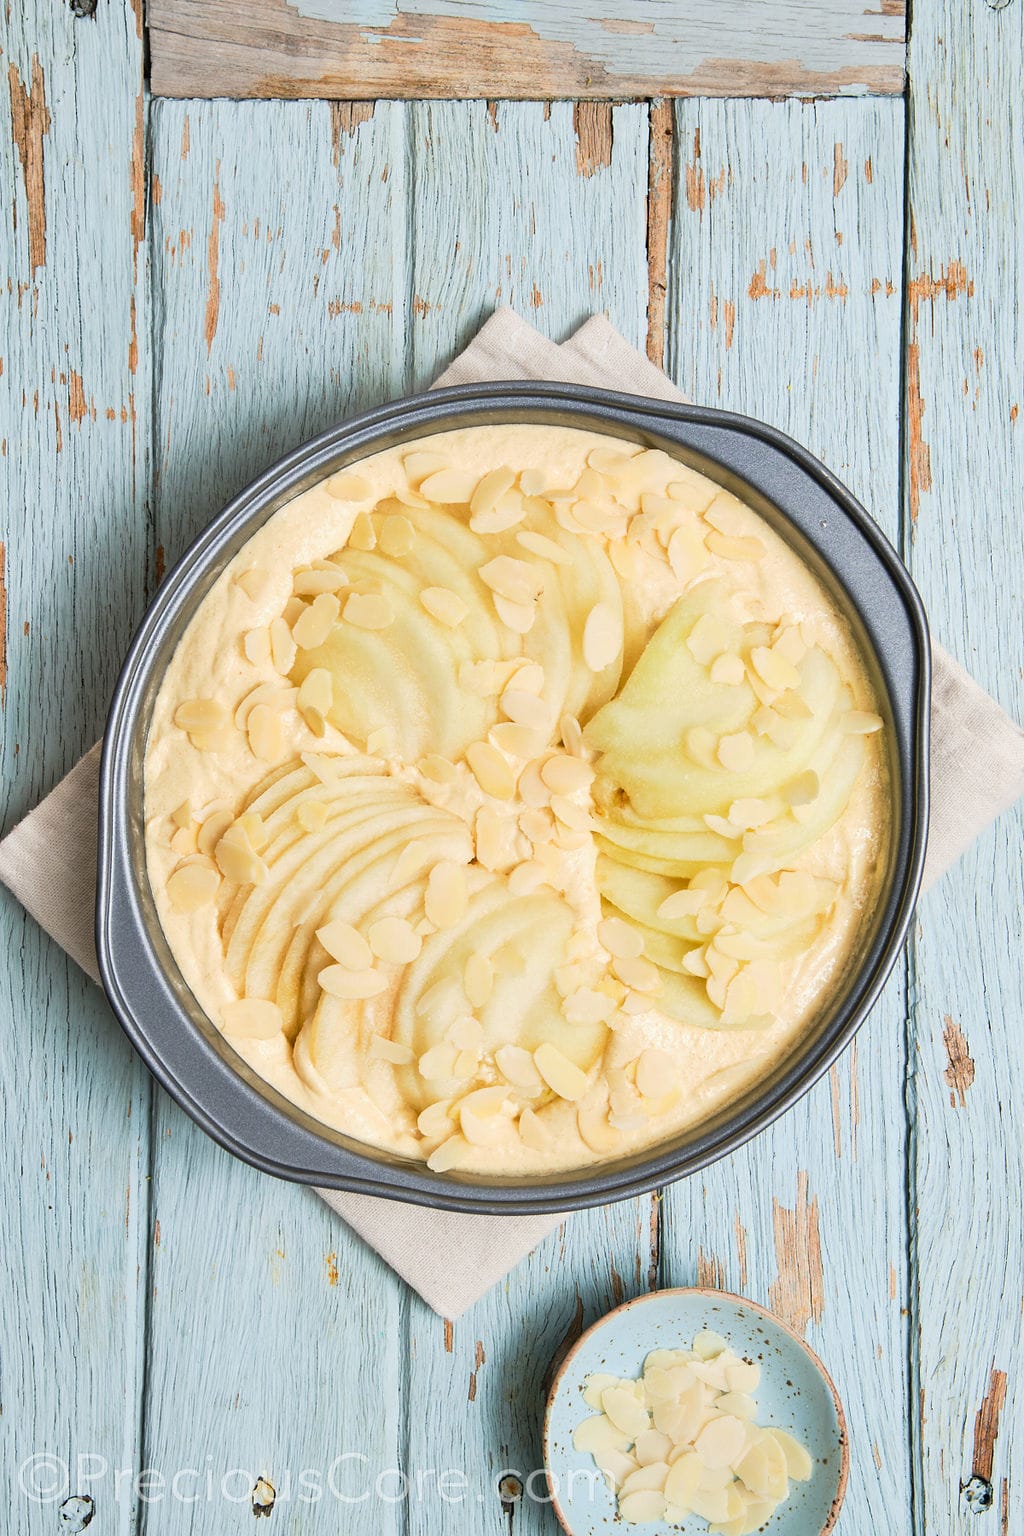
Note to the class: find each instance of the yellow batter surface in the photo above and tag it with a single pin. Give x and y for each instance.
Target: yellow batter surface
(515, 799)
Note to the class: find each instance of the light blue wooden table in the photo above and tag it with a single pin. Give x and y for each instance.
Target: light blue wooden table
(192, 287)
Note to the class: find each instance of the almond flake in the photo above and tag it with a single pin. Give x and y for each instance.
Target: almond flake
(436, 1121)
(509, 510)
(537, 825)
(325, 577)
(602, 637)
(392, 939)
(483, 679)
(532, 790)
(695, 963)
(363, 535)
(517, 740)
(491, 488)
(444, 605)
(517, 1066)
(422, 462)
(450, 1154)
(346, 945)
(252, 827)
(562, 1076)
(517, 580)
(200, 715)
(446, 897)
(749, 813)
(478, 980)
(518, 617)
(861, 722)
(348, 487)
(682, 904)
(316, 694)
(686, 554)
(492, 848)
(773, 668)
(728, 669)
(492, 770)
(439, 1062)
(736, 752)
(311, 815)
(707, 639)
(638, 973)
(282, 646)
(256, 647)
(620, 938)
(212, 830)
(367, 610)
(237, 859)
(396, 536)
(383, 1049)
(191, 887)
(587, 1006)
(656, 1073)
(547, 549)
(339, 981)
(525, 708)
(448, 486)
(265, 731)
(183, 842)
(252, 1018)
(565, 775)
(255, 583)
(571, 733)
(313, 626)
(527, 877)
(571, 814)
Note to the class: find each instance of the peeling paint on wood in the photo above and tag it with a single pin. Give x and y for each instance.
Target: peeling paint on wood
(496, 49)
(593, 124)
(213, 264)
(797, 1294)
(959, 1075)
(659, 217)
(30, 123)
(986, 1426)
(3, 626)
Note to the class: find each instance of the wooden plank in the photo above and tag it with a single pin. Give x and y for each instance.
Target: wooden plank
(74, 410)
(965, 508)
(527, 49)
(280, 281)
(525, 205)
(784, 272)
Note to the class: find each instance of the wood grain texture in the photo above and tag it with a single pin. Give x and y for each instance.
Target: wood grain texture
(74, 409)
(965, 512)
(275, 315)
(783, 303)
(527, 49)
(527, 205)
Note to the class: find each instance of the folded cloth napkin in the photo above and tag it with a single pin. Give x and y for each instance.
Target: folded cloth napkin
(49, 861)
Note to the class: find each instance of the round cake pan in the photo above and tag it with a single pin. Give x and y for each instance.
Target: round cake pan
(189, 1055)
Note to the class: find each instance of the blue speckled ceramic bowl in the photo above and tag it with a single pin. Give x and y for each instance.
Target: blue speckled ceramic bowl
(796, 1394)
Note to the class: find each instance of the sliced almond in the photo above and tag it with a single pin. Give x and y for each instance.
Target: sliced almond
(446, 897)
(212, 830)
(367, 610)
(571, 814)
(682, 904)
(326, 577)
(526, 877)
(200, 715)
(447, 486)
(728, 669)
(517, 1066)
(517, 740)
(363, 535)
(256, 647)
(438, 769)
(255, 583)
(735, 547)
(421, 462)
(339, 981)
(602, 637)
(313, 626)
(861, 722)
(637, 973)
(346, 945)
(450, 1154)
(773, 668)
(620, 938)
(532, 1131)
(252, 1018)
(478, 980)
(562, 1076)
(687, 554)
(492, 844)
(518, 617)
(191, 887)
(444, 605)
(749, 812)
(265, 731)
(565, 775)
(436, 1120)
(708, 639)
(393, 939)
(656, 1072)
(252, 826)
(525, 708)
(492, 771)
(311, 815)
(571, 733)
(397, 535)
(736, 752)
(237, 860)
(438, 1063)
(517, 580)
(282, 646)
(587, 1005)
(348, 487)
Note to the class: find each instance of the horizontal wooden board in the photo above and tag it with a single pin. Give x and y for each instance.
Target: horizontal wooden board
(523, 49)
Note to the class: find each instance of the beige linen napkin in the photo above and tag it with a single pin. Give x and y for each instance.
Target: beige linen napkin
(49, 861)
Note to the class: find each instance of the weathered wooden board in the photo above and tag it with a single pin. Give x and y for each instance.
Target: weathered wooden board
(74, 411)
(965, 510)
(525, 48)
(784, 265)
(532, 206)
(275, 315)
